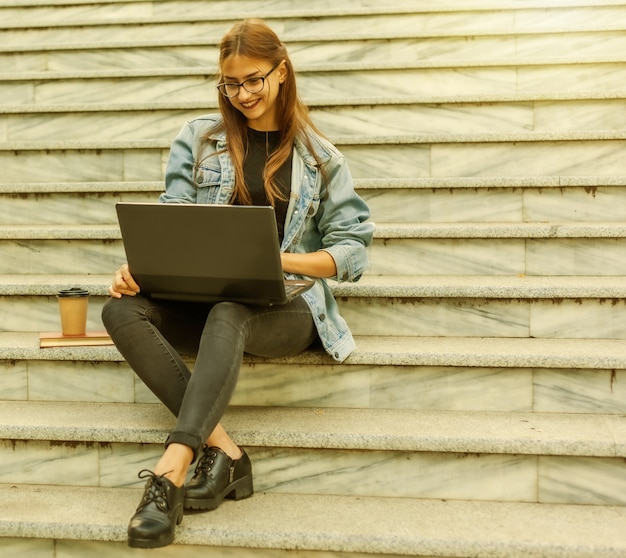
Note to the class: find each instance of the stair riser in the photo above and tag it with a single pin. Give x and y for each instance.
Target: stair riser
(486, 318)
(385, 119)
(290, 29)
(589, 318)
(53, 548)
(569, 158)
(74, 257)
(41, 313)
(90, 208)
(377, 387)
(430, 83)
(555, 256)
(340, 52)
(402, 205)
(87, 165)
(515, 478)
(497, 205)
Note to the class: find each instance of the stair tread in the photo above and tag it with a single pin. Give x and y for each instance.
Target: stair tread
(590, 181)
(498, 352)
(287, 11)
(446, 286)
(298, 38)
(345, 140)
(352, 101)
(332, 66)
(551, 229)
(329, 428)
(331, 523)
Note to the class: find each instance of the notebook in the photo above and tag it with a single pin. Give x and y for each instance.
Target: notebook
(206, 253)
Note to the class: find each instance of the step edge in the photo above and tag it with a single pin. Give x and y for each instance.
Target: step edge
(385, 525)
(461, 182)
(380, 286)
(501, 230)
(457, 432)
(340, 141)
(371, 66)
(478, 352)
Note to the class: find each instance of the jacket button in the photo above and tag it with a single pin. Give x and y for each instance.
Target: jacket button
(322, 317)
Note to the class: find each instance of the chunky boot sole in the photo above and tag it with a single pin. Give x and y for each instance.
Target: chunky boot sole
(236, 490)
(148, 542)
(158, 513)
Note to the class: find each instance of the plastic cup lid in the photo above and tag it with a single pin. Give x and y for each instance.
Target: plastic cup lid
(74, 291)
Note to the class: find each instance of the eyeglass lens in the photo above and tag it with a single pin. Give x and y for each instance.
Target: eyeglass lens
(252, 85)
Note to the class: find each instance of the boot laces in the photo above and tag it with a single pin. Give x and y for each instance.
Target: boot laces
(206, 462)
(154, 491)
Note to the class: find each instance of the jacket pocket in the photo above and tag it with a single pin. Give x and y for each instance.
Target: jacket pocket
(207, 179)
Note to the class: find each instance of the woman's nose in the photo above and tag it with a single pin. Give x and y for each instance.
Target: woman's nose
(243, 94)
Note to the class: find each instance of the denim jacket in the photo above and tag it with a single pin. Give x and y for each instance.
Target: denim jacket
(321, 215)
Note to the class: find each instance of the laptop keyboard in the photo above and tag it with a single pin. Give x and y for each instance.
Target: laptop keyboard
(291, 288)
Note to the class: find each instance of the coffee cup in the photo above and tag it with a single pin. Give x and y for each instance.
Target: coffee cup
(73, 310)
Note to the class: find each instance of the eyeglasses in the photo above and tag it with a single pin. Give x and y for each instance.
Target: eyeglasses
(251, 85)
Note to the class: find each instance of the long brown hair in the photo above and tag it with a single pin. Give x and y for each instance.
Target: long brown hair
(254, 39)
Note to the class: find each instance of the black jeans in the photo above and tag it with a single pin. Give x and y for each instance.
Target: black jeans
(152, 335)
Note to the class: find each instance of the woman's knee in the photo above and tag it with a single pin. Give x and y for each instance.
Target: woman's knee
(227, 320)
(119, 310)
(231, 312)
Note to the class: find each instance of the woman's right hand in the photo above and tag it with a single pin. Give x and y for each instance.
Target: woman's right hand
(123, 283)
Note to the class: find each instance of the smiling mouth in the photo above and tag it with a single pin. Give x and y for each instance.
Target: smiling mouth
(250, 104)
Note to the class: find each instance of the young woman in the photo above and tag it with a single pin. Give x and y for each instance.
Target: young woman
(262, 149)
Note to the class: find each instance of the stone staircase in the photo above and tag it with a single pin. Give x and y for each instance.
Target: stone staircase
(484, 410)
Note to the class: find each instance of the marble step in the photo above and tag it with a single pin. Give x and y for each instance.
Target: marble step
(392, 351)
(497, 249)
(84, 122)
(401, 156)
(508, 386)
(494, 77)
(50, 13)
(436, 374)
(430, 373)
(137, 53)
(521, 287)
(37, 519)
(559, 199)
(61, 25)
(531, 457)
(492, 306)
(549, 375)
(473, 183)
(356, 102)
(401, 249)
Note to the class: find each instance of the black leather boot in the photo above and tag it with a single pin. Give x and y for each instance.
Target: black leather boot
(216, 477)
(158, 513)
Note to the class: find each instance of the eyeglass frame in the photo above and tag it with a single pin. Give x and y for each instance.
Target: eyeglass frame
(243, 84)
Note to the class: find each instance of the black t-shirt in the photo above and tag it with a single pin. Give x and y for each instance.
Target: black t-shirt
(260, 146)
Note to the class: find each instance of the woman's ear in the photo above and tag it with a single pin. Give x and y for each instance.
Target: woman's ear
(282, 72)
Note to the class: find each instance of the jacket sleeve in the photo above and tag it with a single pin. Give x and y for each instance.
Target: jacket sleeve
(342, 220)
(179, 172)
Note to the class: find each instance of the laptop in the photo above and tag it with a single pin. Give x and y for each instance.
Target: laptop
(206, 253)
